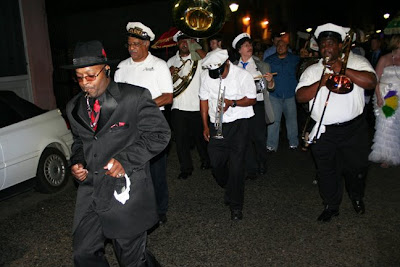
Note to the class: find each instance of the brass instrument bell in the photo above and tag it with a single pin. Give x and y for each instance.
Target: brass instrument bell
(340, 83)
(199, 18)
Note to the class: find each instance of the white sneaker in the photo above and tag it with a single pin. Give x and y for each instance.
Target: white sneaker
(270, 149)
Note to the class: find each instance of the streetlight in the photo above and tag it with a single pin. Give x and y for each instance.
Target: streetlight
(233, 7)
(246, 24)
(264, 27)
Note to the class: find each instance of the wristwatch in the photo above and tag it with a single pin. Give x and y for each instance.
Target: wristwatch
(234, 104)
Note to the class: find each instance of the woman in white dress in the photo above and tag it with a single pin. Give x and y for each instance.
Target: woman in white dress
(386, 146)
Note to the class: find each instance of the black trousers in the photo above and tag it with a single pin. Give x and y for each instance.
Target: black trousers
(89, 246)
(227, 158)
(256, 153)
(188, 130)
(342, 152)
(158, 170)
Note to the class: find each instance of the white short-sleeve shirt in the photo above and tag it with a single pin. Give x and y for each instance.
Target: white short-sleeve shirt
(238, 83)
(252, 68)
(341, 107)
(188, 100)
(151, 73)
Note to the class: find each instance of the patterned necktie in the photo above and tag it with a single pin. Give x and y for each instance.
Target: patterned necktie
(244, 64)
(94, 115)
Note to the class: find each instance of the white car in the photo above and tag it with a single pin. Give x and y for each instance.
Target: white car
(34, 143)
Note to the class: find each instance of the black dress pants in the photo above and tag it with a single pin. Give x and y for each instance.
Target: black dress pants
(227, 160)
(188, 129)
(342, 151)
(256, 153)
(89, 246)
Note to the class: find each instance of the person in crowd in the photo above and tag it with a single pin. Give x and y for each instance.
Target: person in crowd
(375, 51)
(275, 38)
(227, 94)
(215, 41)
(386, 142)
(357, 46)
(185, 111)
(256, 154)
(339, 138)
(283, 98)
(258, 49)
(145, 70)
(110, 162)
(373, 56)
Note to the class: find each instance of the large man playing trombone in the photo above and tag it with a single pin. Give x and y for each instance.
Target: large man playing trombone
(340, 135)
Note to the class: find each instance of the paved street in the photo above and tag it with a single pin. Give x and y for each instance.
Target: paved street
(279, 226)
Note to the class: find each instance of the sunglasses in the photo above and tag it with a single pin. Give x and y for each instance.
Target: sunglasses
(90, 78)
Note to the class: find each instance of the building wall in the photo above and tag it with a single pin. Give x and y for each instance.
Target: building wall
(34, 23)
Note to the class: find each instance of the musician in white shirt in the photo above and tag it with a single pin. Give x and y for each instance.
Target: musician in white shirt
(145, 70)
(341, 130)
(186, 123)
(227, 95)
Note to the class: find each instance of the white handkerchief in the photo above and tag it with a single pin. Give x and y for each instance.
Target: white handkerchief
(124, 195)
(311, 136)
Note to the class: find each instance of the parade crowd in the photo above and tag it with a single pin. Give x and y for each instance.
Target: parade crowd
(227, 100)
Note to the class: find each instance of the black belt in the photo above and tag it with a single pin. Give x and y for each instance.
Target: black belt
(340, 124)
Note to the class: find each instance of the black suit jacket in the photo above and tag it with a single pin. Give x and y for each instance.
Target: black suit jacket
(132, 130)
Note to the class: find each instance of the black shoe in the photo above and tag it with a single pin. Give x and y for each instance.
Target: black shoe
(262, 171)
(359, 206)
(251, 177)
(162, 218)
(184, 175)
(205, 166)
(327, 215)
(236, 215)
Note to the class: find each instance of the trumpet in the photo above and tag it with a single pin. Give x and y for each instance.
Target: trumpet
(219, 113)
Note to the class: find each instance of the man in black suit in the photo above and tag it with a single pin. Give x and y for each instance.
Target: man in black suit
(117, 129)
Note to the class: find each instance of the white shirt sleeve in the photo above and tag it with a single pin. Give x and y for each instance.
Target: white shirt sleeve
(164, 79)
(248, 85)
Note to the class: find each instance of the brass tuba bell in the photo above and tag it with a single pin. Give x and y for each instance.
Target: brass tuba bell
(199, 18)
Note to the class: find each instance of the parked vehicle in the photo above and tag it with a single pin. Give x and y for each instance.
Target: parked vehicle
(34, 143)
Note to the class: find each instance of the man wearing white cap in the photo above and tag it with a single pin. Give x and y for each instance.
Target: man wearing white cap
(227, 95)
(256, 153)
(185, 68)
(341, 131)
(145, 70)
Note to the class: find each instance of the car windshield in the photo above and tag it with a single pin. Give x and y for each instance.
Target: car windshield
(14, 109)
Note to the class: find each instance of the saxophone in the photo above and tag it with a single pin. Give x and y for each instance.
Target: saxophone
(220, 111)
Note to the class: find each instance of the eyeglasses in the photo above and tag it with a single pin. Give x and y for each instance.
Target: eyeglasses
(134, 44)
(90, 78)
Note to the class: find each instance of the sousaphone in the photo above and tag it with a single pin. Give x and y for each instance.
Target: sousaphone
(199, 18)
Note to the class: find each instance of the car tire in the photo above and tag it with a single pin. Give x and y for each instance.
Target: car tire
(53, 172)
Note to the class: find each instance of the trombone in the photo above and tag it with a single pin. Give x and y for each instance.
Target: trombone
(304, 134)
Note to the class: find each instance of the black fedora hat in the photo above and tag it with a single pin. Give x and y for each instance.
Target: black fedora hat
(89, 54)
